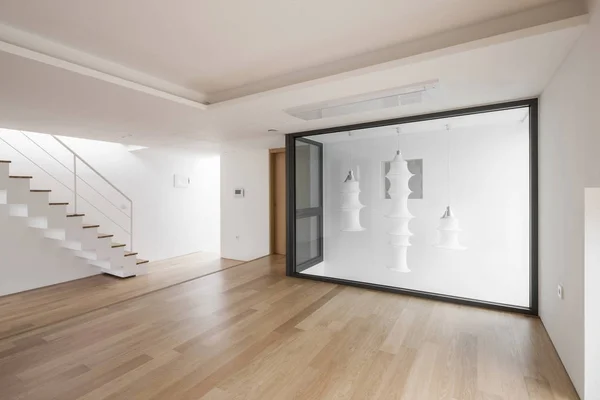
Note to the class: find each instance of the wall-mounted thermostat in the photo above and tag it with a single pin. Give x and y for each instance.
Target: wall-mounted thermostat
(239, 192)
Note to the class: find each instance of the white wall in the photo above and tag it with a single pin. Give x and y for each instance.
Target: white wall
(489, 195)
(569, 161)
(592, 295)
(168, 221)
(245, 223)
(28, 260)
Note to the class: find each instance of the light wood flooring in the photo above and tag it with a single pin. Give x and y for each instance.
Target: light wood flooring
(249, 332)
(24, 311)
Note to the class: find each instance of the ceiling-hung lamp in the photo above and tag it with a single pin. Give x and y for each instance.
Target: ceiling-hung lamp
(351, 205)
(449, 228)
(399, 214)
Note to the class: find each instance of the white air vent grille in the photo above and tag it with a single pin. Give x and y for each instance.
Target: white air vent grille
(400, 96)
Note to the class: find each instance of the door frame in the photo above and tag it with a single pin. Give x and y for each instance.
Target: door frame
(531, 103)
(272, 155)
(309, 212)
(292, 269)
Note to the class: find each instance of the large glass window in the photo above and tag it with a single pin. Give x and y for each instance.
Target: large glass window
(440, 206)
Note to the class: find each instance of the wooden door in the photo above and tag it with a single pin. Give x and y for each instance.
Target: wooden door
(279, 204)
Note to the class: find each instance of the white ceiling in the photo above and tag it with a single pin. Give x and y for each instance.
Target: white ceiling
(217, 45)
(191, 47)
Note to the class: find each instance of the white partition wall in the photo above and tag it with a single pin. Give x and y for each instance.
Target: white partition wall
(403, 243)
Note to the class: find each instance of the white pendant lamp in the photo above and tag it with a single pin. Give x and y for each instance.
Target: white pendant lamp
(449, 228)
(448, 232)
(351, 205)
(399, 214)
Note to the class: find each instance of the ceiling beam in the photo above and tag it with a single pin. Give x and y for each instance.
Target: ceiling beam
(37, 48)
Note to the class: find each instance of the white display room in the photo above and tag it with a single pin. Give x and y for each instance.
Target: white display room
(441, 206)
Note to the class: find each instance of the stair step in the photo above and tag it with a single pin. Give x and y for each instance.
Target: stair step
(129, 253)
(40, 191)
(119, 273)
(75, 215)
(90, 226)
(5, 162)
(104, 235)
(115, 245)
(58, 204)
(141, 262)
(20, 177)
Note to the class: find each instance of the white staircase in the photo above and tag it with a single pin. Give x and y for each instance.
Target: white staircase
(69, 230)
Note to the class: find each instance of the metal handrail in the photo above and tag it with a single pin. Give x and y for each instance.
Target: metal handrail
(92, 168)
(68, 169)
(78, 157)
(76, 177)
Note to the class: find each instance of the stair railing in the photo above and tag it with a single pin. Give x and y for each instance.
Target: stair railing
(76, 194)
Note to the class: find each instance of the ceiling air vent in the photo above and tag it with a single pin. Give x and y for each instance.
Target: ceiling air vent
(396, 97)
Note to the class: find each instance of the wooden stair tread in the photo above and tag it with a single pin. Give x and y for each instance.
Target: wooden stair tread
(90, 226)
(58, 204)
(40, 191)
(115, 245)
(104, 235)
(75, 215)
(20, 177)
(141, 262)
(5, 162)
(129, 253)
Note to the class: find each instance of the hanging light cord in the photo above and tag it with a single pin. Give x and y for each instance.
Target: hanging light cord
(351, 151)
(448, 166)
(398, 132)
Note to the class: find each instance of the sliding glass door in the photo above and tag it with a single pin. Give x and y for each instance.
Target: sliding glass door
(308, 203)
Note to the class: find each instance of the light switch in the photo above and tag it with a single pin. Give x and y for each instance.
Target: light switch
(181, 181)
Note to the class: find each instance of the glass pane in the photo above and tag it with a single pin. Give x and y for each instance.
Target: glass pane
(437, 206)
(307, 239)
(308, 194)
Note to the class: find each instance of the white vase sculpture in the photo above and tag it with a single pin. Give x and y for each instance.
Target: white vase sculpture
(351, 206)
(399, 215)
(448, 232)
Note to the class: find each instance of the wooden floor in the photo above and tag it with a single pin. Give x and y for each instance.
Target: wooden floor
(32, 309)
(249, 332)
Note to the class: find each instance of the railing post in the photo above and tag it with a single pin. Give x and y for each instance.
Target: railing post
(75, 182)
(131, 226)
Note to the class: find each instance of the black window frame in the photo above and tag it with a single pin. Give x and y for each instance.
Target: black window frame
(294, 270)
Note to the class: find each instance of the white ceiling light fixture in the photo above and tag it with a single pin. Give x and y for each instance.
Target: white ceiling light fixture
(351, 205)
(382, 99)
(449, 227)
(400, 216)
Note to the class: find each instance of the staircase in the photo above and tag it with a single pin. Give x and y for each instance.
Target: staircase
(68, 230)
